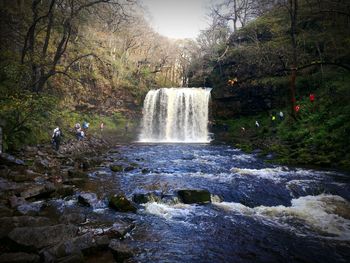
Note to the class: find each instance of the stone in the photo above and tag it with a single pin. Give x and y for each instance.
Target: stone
(145, 171)
(116, 168)
(87, 199)
(5, 211)
(121, 204)
(36, 238)
(39, 191)
(86, 244)
(19, 257)
(8, 159)
(142, 198)
(77, 173)
(9, 223)
(191, 196)
(64, 191)
(120, 228)
(120, 251)
(129, 168)
(28, 208)
(73, 218)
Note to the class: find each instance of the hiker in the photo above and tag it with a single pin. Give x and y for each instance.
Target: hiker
(56, 138)
(79, 133)
(281, 115)
(257, 125)
(102, 126)
(312, 97)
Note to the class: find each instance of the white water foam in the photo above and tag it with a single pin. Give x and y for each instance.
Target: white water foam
(326, 215)
(177, 211)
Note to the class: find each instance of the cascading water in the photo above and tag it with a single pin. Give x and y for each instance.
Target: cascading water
(176, 115)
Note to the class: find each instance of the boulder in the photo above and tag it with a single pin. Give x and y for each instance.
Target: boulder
(129, 168)
(121, 204)
(120, 228)
(116, 168)
(36, 238)
(194, 196)
(145, 171)
(73, 218)
(86, 244)
(87, 199)
(19, 257)
(9, 223)
(64, 190)
(120, 251)
(39, 191)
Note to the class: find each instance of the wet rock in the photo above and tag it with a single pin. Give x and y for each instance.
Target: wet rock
(145, 171)
(42, 164)
(9, 223)
(87, 199)
(116, 168)
(120, 251)
(8, 159)
(15, 201)
(191, 196)
(75, 181)
(75, 258)
(19, 257)
(64, 191)
(129, 168)
(86, 244)
(120, 228)
(142, 198)
(28, 208)
(77, 174)
(5, 211)
(39, 237)
(121, 204)
(39, 191)
(73, 218)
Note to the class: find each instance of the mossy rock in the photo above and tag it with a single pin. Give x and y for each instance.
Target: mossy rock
(121, 204)
(116, 168)
(190, 196)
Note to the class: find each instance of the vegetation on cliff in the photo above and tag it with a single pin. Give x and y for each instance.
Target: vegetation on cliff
(283, 51)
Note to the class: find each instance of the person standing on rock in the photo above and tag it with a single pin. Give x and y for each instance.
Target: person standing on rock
(257, 125)
(56, 138)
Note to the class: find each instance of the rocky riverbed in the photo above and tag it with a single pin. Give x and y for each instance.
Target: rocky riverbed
(33, 229)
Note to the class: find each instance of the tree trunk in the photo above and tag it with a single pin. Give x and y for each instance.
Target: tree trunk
(293, 8)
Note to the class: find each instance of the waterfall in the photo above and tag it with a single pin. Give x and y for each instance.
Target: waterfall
(176, 115)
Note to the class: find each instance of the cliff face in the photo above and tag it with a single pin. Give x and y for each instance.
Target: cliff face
(246, 99)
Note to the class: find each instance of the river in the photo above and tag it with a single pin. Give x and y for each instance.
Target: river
(259, 212)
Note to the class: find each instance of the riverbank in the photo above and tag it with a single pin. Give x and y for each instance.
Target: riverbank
(34, 181)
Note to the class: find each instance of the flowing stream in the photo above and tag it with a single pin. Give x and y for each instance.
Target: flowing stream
(259, 212)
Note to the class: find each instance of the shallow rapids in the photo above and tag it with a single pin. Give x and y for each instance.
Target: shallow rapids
(259, 212)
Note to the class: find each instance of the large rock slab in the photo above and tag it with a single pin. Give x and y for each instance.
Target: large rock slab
(7, 224)
(194, 196)
(39, 191)
(19, 257)
(121, 204)
(36, 238)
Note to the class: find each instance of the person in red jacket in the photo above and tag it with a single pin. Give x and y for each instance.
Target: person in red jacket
(312, 97)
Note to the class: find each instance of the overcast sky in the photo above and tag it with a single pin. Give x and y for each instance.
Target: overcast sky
(178, 18)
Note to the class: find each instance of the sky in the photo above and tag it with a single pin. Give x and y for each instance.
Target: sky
(178, 18)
